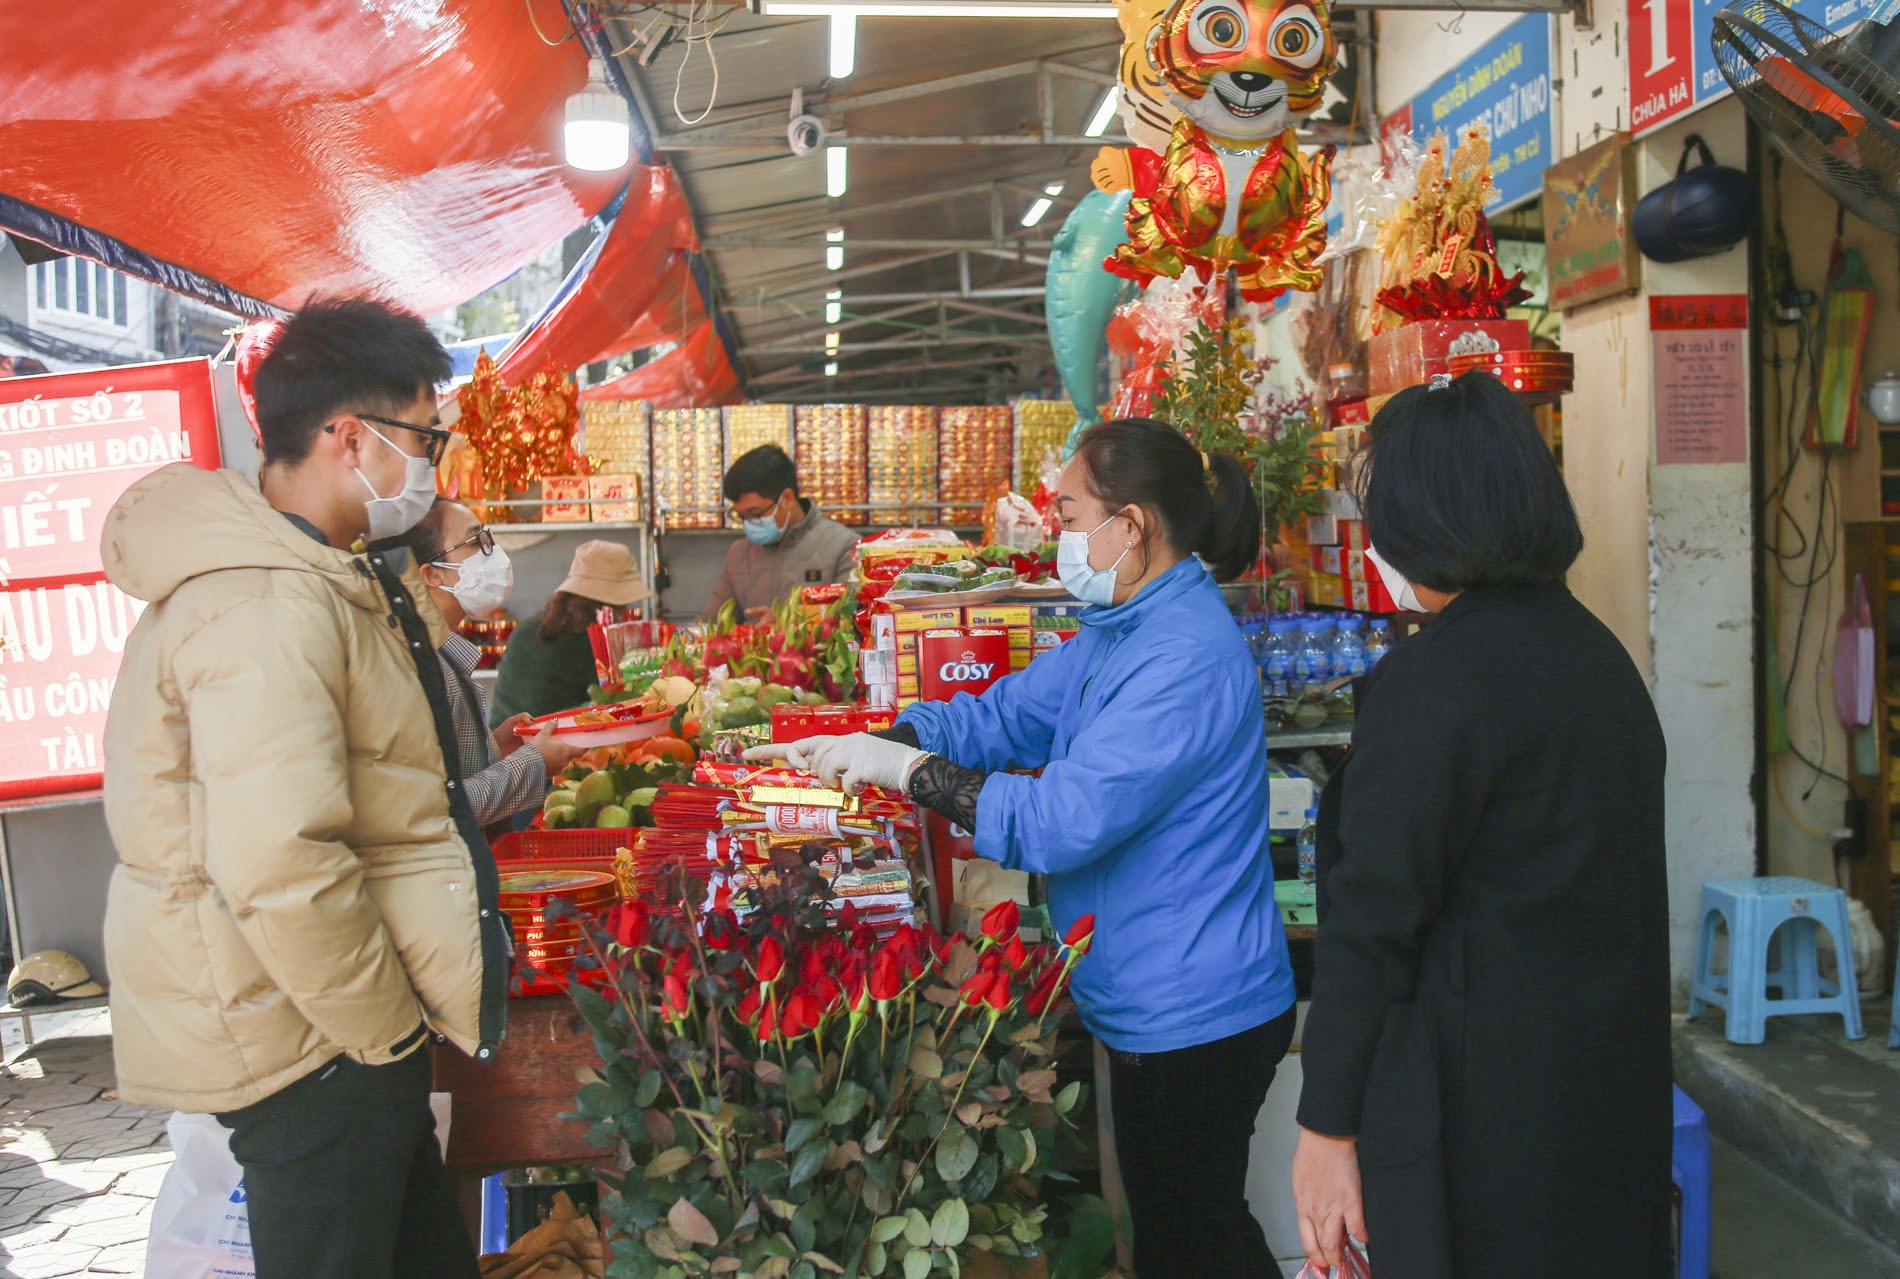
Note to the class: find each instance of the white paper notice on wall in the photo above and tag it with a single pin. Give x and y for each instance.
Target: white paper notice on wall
(1700, 346)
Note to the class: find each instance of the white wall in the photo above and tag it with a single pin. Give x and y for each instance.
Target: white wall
(1416, 47)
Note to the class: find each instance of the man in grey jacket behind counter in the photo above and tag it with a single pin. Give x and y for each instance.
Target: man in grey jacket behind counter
(788, 543)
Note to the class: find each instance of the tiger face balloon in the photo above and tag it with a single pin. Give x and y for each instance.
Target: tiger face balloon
(1243, 70)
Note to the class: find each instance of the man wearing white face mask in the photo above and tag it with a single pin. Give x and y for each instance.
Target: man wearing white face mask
(304, 895)
(469, 576)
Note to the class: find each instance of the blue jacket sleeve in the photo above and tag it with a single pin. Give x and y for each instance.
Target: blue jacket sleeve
(1009, 726)
(1142, 750)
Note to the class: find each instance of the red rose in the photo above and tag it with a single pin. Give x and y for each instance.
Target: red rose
(1015, 954)
(1080, 934)
(768, 1022)
(857, 994)
(1045, 990)
(887, 979)
(977, 989)
(943, 951)
(848, 918)
(630, 925)
(771, 960)
(675, 998)
(801, 1016)
(750, 1005)
(998, 993)
(722, 930)
(828, 993)
(813, 968)
(1001, 921)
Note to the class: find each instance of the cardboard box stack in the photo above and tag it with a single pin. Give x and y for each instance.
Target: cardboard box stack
(689, 466)
(831, 440)
(902, 464)
(974, 448)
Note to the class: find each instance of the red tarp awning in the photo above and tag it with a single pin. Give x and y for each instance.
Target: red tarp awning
(410, 151)
(638, 293)
(694, 375)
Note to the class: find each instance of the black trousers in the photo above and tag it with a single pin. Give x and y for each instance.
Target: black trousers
(344, 1179)
(1183, 1123)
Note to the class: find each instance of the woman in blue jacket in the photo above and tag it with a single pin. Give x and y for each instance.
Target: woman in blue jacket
(1150, 813)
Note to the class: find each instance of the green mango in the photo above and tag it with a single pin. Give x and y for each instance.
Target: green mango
(642, 797)
(564, 818)
(596, 789)
(776, 695)
(557, 799)
(612, 817)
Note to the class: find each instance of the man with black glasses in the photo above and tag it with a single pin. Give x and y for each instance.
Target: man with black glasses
(303, 895)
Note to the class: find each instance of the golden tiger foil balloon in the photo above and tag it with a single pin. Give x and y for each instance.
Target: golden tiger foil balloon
(1210, 93)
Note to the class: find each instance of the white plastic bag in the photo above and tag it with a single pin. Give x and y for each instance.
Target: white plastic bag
(201, 1228)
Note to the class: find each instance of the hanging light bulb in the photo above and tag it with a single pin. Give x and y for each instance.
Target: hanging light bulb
(598, 136)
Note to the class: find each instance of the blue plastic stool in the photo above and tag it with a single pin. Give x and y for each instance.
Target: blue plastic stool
(1689, 1159)
(1774, 920)
(1893, 1029)
(495, 1214)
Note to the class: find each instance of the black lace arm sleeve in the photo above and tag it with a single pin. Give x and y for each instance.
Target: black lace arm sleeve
(938, 784)
(947, 788)
(903, 733)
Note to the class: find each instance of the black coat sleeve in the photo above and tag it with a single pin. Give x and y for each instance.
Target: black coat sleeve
(1424, 755)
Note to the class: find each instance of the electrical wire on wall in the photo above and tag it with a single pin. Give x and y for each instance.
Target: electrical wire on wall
(1804, 557)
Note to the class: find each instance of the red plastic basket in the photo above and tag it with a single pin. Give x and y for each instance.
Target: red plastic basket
(795, 723)
(564, 845)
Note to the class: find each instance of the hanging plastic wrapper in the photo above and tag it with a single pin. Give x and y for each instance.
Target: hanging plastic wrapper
(1146, 331)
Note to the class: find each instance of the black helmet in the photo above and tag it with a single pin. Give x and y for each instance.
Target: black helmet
(1700, 211)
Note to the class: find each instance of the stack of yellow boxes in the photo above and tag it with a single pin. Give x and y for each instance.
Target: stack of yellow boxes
(1041, 425)
(615, 435)
(912, 622)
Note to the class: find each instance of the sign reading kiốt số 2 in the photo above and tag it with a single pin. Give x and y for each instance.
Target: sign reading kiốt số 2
(70, 444)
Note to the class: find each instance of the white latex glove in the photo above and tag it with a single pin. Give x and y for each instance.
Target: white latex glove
(851, 763)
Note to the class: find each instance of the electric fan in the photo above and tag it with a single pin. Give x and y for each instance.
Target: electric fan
(1831, 102)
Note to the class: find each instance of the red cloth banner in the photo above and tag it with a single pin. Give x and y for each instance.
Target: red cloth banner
(638, 293)
(408, 151)
(694, 375)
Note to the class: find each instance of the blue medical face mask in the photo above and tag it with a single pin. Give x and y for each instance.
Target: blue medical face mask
(763, 530)
(1090, 585)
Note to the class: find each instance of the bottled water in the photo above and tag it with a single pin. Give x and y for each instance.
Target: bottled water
(1313, 661)
(1279, 659)
(1309, 848)
(1349, 655)
(1379, 642)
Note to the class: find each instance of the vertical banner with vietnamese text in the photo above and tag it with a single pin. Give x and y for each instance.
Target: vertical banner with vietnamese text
(70, 444)
(1699, 342)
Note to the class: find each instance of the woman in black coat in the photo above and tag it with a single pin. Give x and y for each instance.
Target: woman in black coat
(1486, 1057)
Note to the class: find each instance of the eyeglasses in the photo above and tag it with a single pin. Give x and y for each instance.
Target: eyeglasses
(480, 537)
(437, 437)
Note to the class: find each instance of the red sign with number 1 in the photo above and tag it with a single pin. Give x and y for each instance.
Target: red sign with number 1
(1661, 61)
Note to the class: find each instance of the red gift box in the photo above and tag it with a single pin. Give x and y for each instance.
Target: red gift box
(1410, 355)
(960, 661)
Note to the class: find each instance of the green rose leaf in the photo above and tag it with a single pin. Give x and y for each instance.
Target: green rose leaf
(1069, 1097)
(1015, 1149)
(802, 1133)
(808, 1164)
(916, 1265)
(888, 1229)
(876, 1256)
(951, 1224)
(926, 1064)
(847, 1102)
(956, 1155)
(916, 1229)
(666, 1163)
(690, 1224)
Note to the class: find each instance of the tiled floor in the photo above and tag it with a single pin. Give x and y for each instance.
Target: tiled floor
(78, 1169)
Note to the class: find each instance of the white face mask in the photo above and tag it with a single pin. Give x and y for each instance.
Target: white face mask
(1396, 584)
(1088, 584)
(394, 516)
(482, 582)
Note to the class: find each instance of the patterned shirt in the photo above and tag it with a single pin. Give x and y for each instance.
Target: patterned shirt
(497, 789)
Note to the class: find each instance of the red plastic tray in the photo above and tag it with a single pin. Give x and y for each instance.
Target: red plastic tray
(574, 846)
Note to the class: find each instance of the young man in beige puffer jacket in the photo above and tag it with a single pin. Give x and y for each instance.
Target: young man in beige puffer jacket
(303, 896)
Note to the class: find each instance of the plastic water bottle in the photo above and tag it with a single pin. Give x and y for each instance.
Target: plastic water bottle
(1349, 655)
(1379, 642)
(1279, 659)
(1309, 848)
(1313, 661)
